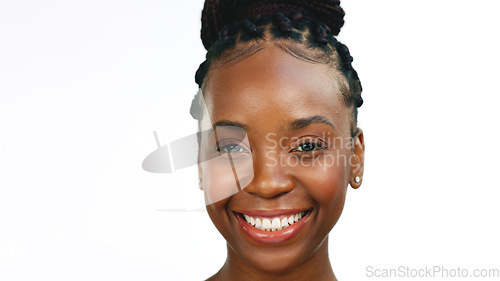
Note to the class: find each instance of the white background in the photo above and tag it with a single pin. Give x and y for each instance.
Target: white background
(83, 85)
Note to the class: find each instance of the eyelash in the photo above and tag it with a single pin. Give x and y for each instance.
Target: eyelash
(222, 148)
(317, 145)
(225, 145)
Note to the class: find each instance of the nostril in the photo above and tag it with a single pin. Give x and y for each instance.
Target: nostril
(269, 180)
(270, 188)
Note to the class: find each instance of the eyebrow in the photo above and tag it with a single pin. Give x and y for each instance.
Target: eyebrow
(227, 123)
(295, 125)
(304, 122)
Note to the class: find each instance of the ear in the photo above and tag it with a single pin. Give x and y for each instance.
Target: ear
(358, 160)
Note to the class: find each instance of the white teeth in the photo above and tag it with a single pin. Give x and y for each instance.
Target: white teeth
(284, 222)
(276, 223)
(252, 221)
(258, 223)
(273, 224)
(266, 223)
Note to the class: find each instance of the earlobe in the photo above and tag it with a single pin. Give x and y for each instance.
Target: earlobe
(357, 166)
(355, 182)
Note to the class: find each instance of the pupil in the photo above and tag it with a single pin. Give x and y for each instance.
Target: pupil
(308, 146)
(233, 148)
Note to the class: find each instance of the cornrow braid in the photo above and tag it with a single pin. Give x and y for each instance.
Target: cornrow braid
(227, 23)
(217, 13)
(283, 27)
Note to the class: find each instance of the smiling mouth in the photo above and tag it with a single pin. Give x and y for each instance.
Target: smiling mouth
(274, 223)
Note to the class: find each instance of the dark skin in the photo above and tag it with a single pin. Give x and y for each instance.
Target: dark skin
(274, 94)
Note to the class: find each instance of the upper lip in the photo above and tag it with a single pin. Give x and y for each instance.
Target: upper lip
(272, 213)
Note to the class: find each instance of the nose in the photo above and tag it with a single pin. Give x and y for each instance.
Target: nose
(271, 179)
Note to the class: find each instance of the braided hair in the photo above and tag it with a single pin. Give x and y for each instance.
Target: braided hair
(306, 29)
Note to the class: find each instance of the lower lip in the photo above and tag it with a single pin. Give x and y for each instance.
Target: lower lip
(271, 237)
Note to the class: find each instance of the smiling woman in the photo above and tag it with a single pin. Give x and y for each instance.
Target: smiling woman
(278, 98)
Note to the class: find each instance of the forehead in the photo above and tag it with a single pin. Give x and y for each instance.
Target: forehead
(272, 87)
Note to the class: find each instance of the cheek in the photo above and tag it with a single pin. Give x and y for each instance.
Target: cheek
(326, 183)
(218, 182)
(223, 178)
(219, 187)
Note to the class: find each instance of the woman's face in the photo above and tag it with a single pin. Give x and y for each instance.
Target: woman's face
(298, 143)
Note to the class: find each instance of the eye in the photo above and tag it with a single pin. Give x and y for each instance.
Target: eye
(309, 145)
(234, 147)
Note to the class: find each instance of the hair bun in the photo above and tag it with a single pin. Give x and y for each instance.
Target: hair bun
(217, 13)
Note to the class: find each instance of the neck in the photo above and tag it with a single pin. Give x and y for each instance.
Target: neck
(317, 267)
